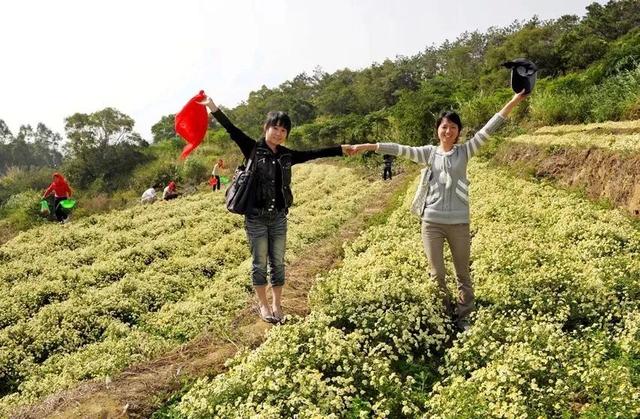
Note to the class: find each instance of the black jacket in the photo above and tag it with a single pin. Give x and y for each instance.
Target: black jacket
(272, 189)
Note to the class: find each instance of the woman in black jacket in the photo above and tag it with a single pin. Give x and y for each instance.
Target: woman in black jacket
(266, 220)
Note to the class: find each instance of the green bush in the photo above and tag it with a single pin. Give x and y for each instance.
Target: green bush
(22, 209)
(160, 172)
(573, 100)
(479, 109)
(554, 108)
(194, 170)
(616, 97)
(17, 180)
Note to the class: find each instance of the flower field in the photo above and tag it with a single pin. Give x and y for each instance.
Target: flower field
(614, 136)
(556, 332)
(89, 298)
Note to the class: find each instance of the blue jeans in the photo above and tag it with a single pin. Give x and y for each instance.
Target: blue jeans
(267, 235)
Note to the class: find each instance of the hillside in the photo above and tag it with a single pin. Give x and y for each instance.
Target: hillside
(89, 298)
(556, 331)
(601, 159)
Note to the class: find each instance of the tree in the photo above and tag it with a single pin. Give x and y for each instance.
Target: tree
(45, 146)
(5, 133)
(536, 41)
(614, 19)
(46, 137)
(416, 112)
(97, 130)
(337, 95)
(164, 129)
(29, 148)
(103, 148)
(26, 134)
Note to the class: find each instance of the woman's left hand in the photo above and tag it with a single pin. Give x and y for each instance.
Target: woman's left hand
(519, 97)
(515, 100)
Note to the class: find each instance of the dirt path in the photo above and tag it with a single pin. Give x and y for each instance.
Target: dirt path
(141, 389)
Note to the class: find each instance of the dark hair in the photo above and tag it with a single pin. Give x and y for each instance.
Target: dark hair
(451, 116)
(278, 119)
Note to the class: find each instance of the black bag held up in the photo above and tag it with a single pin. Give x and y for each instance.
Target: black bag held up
(238, 194)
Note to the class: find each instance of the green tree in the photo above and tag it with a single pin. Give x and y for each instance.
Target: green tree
(535, 41)
(337, 95)
(164, 129)
(103, 149)
(414, 116)
(614, 19)
(5, 133)
(45, 145)
(29, 148)
(97, 130)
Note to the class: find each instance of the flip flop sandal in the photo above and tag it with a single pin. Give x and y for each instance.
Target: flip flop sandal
(280, 319)
(268, 318)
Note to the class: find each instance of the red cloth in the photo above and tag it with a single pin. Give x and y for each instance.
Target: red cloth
(59, 186)
(191, 123)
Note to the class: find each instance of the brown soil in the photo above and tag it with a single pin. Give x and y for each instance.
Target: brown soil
(601, 173)
(142, 389)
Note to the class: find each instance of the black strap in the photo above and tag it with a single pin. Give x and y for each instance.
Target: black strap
(252, 157)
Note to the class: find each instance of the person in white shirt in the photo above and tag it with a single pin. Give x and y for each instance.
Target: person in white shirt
(149, 196)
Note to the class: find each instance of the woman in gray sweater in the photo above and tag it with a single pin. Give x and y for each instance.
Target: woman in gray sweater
(445, 209)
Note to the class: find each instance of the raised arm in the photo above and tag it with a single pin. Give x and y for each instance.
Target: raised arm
(479, 139)
(243, 141)
(515, 100)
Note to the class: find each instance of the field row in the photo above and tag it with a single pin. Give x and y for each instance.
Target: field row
(183, 269)
(556, 332)
(615, 136)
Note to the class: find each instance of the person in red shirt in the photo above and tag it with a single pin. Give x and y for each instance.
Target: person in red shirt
(61, 191)
(170, 192)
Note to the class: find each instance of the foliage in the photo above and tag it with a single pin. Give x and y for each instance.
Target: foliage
(573, 99)
(103, 149)
(164, 129)
(558, 310)
(415, 114)
(29, 148)
(123, 287)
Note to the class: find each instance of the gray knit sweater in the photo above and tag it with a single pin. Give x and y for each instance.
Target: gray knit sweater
(448, 198)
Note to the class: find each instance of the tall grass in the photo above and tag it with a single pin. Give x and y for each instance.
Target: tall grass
(572, 100)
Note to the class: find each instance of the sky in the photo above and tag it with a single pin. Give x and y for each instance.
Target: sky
(148, 58)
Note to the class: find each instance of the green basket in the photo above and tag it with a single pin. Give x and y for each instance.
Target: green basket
(44, 207)
(68, 204)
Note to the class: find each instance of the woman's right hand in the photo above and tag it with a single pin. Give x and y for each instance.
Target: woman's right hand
(208, 102)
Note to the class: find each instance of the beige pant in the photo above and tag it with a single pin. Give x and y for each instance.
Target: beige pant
(459, 239)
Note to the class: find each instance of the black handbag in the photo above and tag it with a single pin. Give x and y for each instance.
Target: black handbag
(238, 194)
